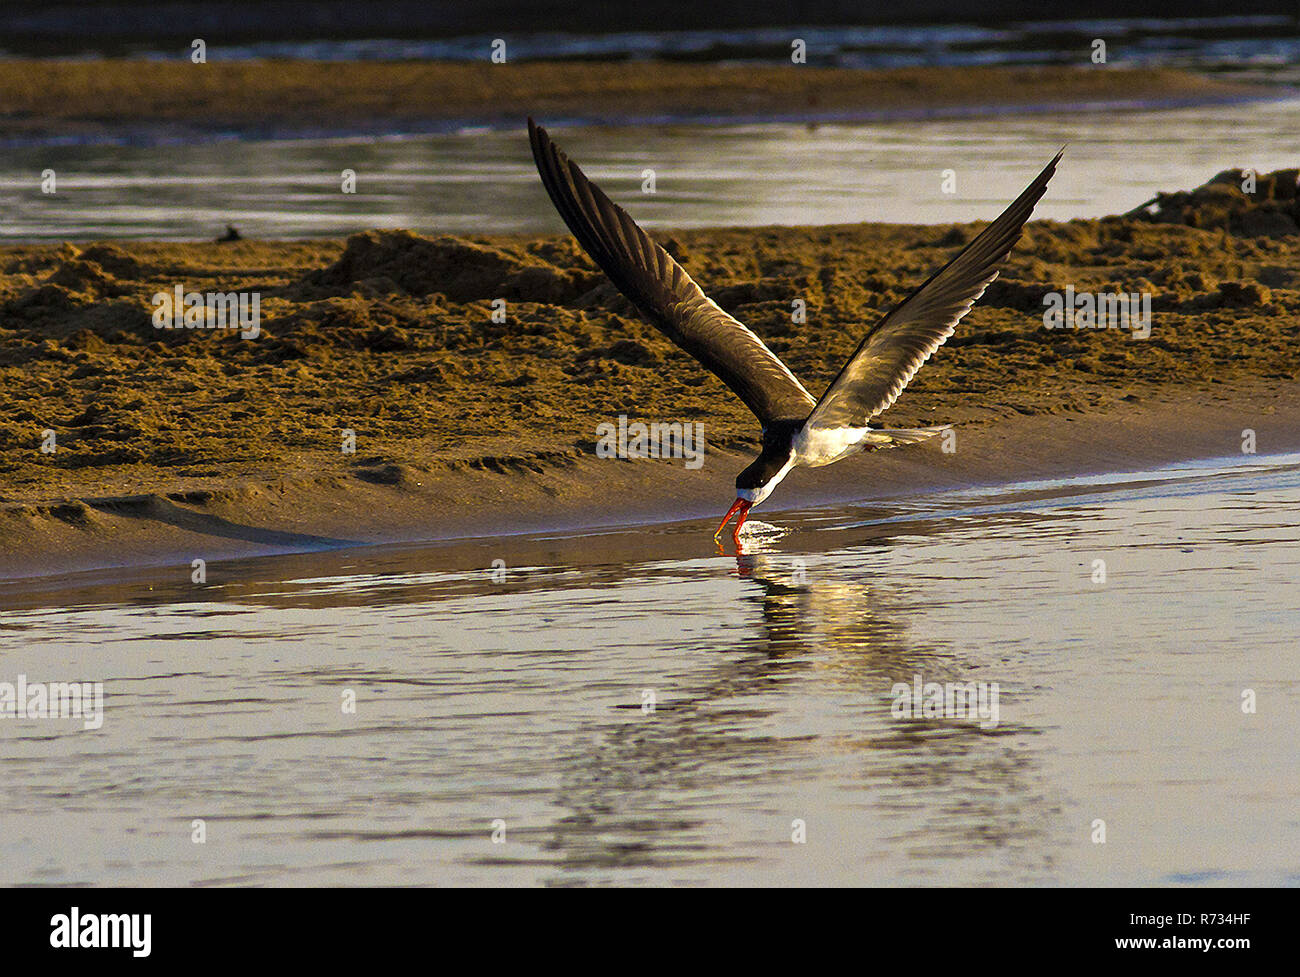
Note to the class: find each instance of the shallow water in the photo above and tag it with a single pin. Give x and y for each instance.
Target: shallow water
(523, 699)
(483, 181)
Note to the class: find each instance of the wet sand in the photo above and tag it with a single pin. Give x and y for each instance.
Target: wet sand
(174, 101)
(188, 443)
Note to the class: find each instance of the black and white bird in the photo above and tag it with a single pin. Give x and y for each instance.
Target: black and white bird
(798, 429)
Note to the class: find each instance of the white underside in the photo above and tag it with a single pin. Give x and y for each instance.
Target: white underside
(813, 449)
(817, 447)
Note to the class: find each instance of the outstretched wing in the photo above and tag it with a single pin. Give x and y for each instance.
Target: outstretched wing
(887, 359)
(664, 294)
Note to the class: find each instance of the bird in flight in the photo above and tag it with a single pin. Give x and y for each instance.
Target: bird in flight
(798, 429)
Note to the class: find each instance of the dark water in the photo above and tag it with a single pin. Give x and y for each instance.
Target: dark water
(520, 701)
(1261, 48)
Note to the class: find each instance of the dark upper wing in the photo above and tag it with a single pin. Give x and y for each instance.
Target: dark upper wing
(664, 293)
(909, 333)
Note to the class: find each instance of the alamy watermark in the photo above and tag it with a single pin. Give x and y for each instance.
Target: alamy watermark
(53, 700)
(1098, 310)
(75, 930)
(179, 309)
(655, 440)
(946, 700)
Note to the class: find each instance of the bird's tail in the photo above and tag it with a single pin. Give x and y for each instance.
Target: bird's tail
(887, 437)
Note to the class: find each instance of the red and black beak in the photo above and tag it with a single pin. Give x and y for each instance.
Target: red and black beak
(741, 506)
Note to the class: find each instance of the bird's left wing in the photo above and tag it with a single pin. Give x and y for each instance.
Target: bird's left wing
(891, 353)
(664, 294)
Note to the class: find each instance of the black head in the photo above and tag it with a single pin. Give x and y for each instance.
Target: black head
(757, 481)
(765, 468)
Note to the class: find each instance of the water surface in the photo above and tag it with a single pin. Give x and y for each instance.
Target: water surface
(482, 181)
(520, 701)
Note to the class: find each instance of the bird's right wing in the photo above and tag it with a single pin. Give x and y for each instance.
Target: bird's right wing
(664, 294)
(891, 353)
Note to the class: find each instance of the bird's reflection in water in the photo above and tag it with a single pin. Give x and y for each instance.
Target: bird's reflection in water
(644, 792)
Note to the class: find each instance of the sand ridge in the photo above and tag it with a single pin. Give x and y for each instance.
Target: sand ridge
(176, 101)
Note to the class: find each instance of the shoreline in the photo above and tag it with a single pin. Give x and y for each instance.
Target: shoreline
(577, 492)
(403, 388)
(162, 136)
(164, 103)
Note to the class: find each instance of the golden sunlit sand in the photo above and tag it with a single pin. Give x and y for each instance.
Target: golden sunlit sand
(86, 99)
(391, 335)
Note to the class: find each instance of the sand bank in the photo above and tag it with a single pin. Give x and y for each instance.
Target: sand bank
(202, 442)
(425, 500)
(42, 101)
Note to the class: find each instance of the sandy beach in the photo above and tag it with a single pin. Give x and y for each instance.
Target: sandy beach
(172, 441)
(171, 102)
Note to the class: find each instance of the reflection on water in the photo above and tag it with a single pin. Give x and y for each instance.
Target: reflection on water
(524, 701)
(484, 182)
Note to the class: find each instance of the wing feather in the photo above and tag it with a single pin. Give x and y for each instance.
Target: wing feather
(900, 343)
(664, 293)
